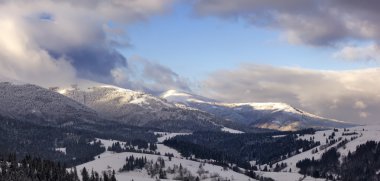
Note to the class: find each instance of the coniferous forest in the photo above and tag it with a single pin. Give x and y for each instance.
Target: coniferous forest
(37, 169)
(24, 138)
(228, 148)
(29, 169)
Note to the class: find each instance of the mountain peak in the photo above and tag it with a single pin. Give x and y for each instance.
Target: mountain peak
(183, 97)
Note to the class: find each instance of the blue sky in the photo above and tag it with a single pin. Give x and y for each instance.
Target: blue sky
(195, 46)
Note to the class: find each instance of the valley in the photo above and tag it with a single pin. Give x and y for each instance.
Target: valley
(189, 90)
(109, 161)
(129, 135)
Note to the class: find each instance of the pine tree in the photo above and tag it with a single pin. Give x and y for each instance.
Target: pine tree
(85, 176)
(113, 178)
(105, 177)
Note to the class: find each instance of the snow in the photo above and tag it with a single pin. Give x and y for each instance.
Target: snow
(371, 132)
(117, 160)
(183, 97)
(140, 101)
(278, 136)
(111, 95)
(292, 161)
(265, 106)
(274, 106)
(229, 130)
(109, 161)
(176, 96)
(23, 100)
(166, 135)
(287, 176)
(109, 143)
(279, 116)
(133, 107)
(165, 149)
(62, 150)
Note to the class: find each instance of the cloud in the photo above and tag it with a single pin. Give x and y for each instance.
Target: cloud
(316, 23)
(57, 41)
(364, 53)
(23, 60)
(148, 76)
(344, 95)
(360, 105)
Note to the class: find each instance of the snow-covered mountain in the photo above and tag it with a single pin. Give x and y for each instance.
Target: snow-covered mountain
(39, 105)
(174, 110)
(279, 116)
(183, 97)
(140, 109)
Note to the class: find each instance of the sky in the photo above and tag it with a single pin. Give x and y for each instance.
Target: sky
(211, 43)
(319, 55)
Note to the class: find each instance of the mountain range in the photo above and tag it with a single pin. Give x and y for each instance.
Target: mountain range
(140, 109)
(278, 116)
(171, 111)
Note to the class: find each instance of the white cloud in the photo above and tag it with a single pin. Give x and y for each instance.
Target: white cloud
(345, 95)
(149, 76)
(23, 60)
(360, 105)
(363, 114)
(364, 53)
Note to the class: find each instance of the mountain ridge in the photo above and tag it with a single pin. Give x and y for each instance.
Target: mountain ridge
(140, 109)
(279, 116)
(31, 102)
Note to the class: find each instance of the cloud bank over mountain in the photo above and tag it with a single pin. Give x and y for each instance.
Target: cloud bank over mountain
(152, 77)
(46, 42)
(344, 95)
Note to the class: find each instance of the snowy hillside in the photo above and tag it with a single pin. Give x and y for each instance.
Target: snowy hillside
(140, 109)
(39, 105)
(279, 116)
(109, 161)
(355, 136)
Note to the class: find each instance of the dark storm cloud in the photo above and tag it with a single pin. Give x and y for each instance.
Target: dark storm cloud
(94, 63)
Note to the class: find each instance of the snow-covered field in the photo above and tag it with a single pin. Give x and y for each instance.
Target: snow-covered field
(115, 161)
(109, 161)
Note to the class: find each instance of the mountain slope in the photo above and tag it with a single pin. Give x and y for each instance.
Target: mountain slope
(140, 109)
(38, 105)
(279, 116)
